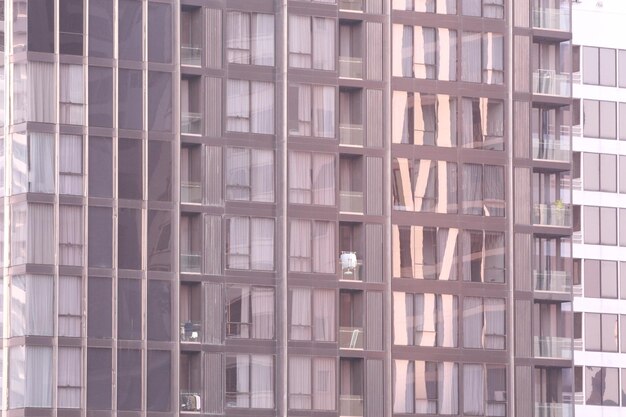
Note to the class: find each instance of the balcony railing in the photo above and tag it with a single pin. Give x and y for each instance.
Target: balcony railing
(350, 405)
(552, 281)
(190, 332)
(350, 134)
(553, 19)
(550, 149)
(553, 410)
(553, 347)
(356, 5)
(350, 67)
(191, 123)
(191, 192)
(552, 215)
(351, 201)
(191, 55)
(353, 274)
(351, 338)
(550, 83)
(190, 402)
(191, 262)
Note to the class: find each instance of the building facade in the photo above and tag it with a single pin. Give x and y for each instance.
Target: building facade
(287, 208)
(600, 229)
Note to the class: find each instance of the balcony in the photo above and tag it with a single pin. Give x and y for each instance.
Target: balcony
(191, 55)
(190, 402)
(190, 332)
(352, 274)
(191, 123)
(553, 347)
(191, 262)
(555, 214)
(351, 405)
(351, 201)
(352, 5)
(350, 67)
(351, 338)
(551, 19)
(553, 410)
(548, 148)
(351, 134)
(191, 192)
(548, 82)
(552, 281)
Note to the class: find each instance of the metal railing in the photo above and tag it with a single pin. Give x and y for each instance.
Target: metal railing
(190, 402)
(351, 338)
(552, 281)
(191, 55)
(351, 201)
(550, 149)
(553, 19)
(552, 215)
(553, 347)
(191, 262)
(353, 274)
(355, 5)
(190, 331)
(550, 83)
(350, 134)
(191, 123)
(350, 67)
(191, 192)
(350, 405)
(553, 410)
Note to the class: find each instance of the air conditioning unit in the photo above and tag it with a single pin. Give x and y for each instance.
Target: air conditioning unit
(190, 402)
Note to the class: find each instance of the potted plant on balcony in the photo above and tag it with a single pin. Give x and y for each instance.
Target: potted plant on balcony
(558, 213)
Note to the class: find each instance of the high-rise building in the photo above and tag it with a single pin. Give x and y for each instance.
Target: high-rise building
(600, 208)
(327, 208)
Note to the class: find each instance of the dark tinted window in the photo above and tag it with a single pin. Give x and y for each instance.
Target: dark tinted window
(159, 171)
(71, 27)
(159, 380)
(41, 25)
(100, 97)
(100, 237)
(159, 32)
(128, 379)
(99, 308)
(159, 311)
(130, 108)
(129, 239)
(100, 167)
(130, 180)
(130, 28)
(101, 28)
(159, 241)
(129, 309)
(159, 101)
(99, 379)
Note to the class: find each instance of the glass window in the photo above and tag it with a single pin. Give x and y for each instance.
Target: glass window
(26, 364)
(250, 106)
(130, 172)
(70, 306)
(426, 53)
(34, 97)
(621, 67)
(160, 32)
(591, 74)
(101, 28)
(312, 246)
(159, 380)
(250, 243)
(425, 319)
(591, 171)
(33, 163)
(69, 377)
(159, 240)
(71, 235)
(609, 332)
(100, 237)
(312, 314)
(159, 310)
(71, 94)
(592, 278)
(130, 99)
(607, 67)
(424, 119)
(129, 379)
(159, 101)
(608, 279)
(591, 118)
(483, 190)
(100, 296)
(482, 123)
(602, 386)
(41, 26)
(71, 164)
(71, 27)
(32, 305)
(608, 226)
(312, 42)
(484, 323)
(129, 309)
(250, 38)
(483, 57)
(622, 174)
(312, 110)
(99, 379)
(100, 97)
(159, 171)
(32, 234)
(312, 383)
(426, 387)
(249, 174)
(429, 6)
(608, 120)
(100, 167)
(601, 332)
(130, 30)
(311, 178)
(425, 185)
(608, 173)
(250, 312)
(249, 381)
(622, 116)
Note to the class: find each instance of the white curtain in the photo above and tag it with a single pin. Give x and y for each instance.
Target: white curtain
(70, 312)
(42, 92)
(424, 54)
(262, 175)
(468, 123)
(407, 51)
(399, 117)
(473, 322)
(239, 304)
(473, 389)
(39, 305)
(70, 235)
(71, 164)
(20, 95)
(447, 256)
(471, 7)
(238, 37)
(40, 234)
(262, 382)
(448, 380)
(71, 93)
(493, 8)
(262, 244)
(493, 58)
(473, 189)
(19, 233)
(262, 112)
(19, 163)
(299, 41)
(239, 243)
(494, 323)
(425, 319)
(300, 248)
(494, 257)
(447, 320)
(237, 174)
(324, 43)
(471, 57)
(404, 390)
(446, 55)
(238, 106)
(38, 377)
(263, 39)
(300, 392)
(402, 318)
(299, 177)
(19, 302)
(262, 313)
(324, 179)
(243, 381)
(324, 247)
(300, 314)
(17, 376)
(324, 111)
(305, 104)
(324, 383)
(425, 387)
(324, 315)
(492, 122)
(41, 162)
(69, 371)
